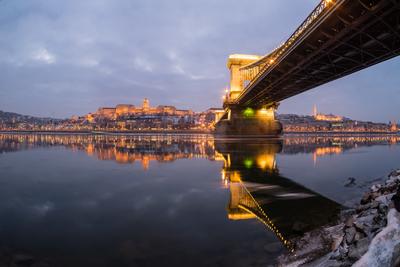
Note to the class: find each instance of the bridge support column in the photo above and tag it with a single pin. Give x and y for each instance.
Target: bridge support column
(249, 122)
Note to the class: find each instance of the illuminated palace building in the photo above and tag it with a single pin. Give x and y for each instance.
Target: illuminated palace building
(144, 117)
(325, 117)
(122, 110)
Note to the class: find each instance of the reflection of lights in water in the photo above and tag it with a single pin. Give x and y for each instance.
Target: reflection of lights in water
(122, 149)
(322, 151)
(393, 140)
(225, 179)
(241, 198)
(340, 141)
(264, 218)
(223, 175)
(248, 163)
(128, 149)
(90, 149)
(266, 161)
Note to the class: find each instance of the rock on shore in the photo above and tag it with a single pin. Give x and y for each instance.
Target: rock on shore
(368, 235)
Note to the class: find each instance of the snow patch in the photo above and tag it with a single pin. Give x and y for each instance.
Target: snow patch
(382, 248)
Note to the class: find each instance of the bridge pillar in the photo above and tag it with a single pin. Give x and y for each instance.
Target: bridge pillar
(249, 122)
(245, 121)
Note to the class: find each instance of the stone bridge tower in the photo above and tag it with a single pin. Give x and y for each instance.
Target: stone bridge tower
(240, 120)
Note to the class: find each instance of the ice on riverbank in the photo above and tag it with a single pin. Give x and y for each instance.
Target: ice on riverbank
(369, 235)
(384, 249)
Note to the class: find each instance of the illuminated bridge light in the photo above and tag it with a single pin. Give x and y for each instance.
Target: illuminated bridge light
(262, 64)
(248, 112)
(264, 219)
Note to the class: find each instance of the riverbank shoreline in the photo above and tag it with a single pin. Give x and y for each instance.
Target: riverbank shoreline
(103, 132)
(365, 235)
(197, 132)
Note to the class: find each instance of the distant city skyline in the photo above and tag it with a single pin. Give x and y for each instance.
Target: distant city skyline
(65, 58)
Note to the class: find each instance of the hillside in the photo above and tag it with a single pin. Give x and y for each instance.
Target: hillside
(10, 117)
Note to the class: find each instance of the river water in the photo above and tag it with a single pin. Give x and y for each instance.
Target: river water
(183, 200)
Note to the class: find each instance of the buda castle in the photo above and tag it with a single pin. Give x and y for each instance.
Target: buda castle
(126, 110)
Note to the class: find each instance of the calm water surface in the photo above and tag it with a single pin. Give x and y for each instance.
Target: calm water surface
(85, 200)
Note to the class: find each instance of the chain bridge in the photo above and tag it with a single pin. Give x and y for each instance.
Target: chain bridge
(338, 38)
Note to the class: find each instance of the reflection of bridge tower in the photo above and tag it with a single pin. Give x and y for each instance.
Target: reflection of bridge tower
(258, 191)
(242, 205)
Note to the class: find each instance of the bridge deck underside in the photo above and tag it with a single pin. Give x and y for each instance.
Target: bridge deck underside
(352, 38)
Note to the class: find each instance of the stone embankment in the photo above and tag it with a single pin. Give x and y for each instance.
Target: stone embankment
(368, 235)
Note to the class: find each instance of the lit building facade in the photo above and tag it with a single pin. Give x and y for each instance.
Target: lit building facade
(124, 110)
(325, 117)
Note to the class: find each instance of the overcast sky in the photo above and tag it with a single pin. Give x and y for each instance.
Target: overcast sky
(60, 58)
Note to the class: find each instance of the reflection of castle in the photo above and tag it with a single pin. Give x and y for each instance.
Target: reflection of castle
(122, 149)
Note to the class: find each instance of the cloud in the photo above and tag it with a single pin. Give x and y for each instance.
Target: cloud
(178, 69)
(143, 64)
(43, 209)
(89, 62)
(44, 56)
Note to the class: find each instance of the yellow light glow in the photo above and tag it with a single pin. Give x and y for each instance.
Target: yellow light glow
(321, 151)
(263, 111)
(266, 162)
(240, 215)
(266, 113)
(223, 175)
(242, 56)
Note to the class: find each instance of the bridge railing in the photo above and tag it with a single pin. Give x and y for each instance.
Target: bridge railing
(255, 70)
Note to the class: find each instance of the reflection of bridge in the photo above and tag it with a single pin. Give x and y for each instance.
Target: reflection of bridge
(338, 38)
(258, 191)
(243, 206)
